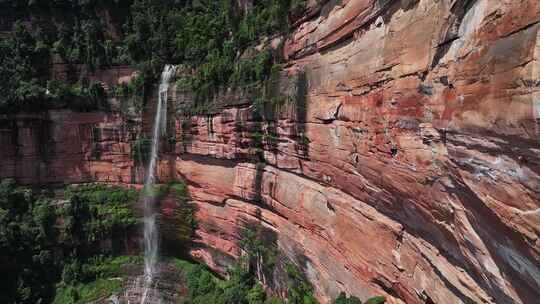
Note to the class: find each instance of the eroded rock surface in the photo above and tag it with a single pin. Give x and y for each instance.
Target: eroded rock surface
(407, 164)
(420, 179)
(168, 287)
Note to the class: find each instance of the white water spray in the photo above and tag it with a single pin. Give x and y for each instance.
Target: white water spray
(151, 233)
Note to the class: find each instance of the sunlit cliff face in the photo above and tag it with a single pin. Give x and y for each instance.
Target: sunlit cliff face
(404, 161)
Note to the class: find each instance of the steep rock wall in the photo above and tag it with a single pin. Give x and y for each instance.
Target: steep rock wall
(407, 164)
(61, 146)
(419, 178)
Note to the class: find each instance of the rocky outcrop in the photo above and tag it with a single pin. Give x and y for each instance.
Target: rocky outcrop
(170, 286)
(419, 177)
(405, 163)
(61, 146)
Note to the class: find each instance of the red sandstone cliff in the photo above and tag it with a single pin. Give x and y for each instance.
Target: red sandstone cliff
(409, 167)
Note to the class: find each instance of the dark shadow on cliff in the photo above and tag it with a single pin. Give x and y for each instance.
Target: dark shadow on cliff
(212, 161)
(272, 266)
(451, 33)
(300, 115)
(177, 220)
(490, 229)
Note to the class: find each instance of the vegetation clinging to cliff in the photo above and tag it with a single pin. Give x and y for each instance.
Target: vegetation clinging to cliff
(43, 241)
(83, 283)
(249, 279)
(243, 285)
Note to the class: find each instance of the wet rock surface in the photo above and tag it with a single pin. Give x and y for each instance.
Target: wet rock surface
(167, 287)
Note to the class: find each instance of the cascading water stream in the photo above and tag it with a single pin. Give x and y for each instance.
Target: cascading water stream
(151, 233)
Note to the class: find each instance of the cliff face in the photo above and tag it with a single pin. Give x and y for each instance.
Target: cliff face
(407, 163)
(62, 146)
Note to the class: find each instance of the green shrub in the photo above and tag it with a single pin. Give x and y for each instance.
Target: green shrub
(242, 286)
(300, 290)
(131, 93)
(97, 278)
(97, 212)
(376, 300)
(343, 299)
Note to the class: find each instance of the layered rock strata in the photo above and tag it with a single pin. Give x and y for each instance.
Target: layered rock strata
(406, 161)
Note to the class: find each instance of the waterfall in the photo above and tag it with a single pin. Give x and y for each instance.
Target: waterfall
(151, 233)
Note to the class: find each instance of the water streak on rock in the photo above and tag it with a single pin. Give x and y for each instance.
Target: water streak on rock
(151, 233)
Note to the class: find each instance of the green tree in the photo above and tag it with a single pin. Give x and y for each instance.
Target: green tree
(343, 299)
(26, 246)
(376, 300)
(40, 247)
(256, 294)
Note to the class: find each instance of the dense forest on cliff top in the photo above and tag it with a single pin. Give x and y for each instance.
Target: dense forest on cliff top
(207, 38)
